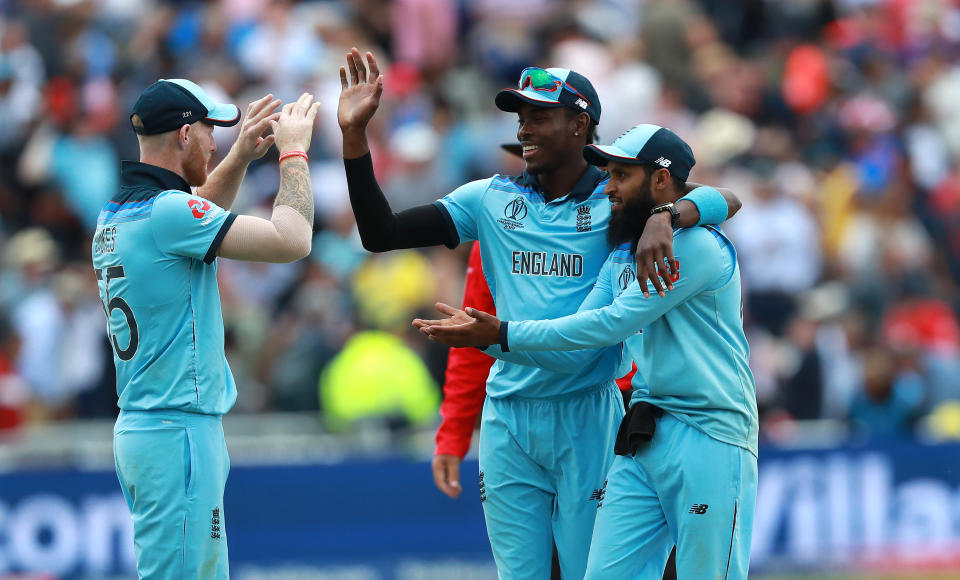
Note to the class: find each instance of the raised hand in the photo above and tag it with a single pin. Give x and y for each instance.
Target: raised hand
(360, 95)
(293, 130)
(251, 143)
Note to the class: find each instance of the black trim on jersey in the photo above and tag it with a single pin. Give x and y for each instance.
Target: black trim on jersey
(215, 244)
(380, 228)
(140, 181)
(452, 232)
(581, 191)
(503, 336)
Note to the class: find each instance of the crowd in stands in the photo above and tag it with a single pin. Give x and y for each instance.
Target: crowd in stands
(837, 122)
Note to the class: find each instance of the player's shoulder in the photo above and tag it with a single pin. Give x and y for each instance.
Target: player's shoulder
(174, 199)
(511, 183)
(179, 205)
(699, 239)
(622, 253)
(477, 187)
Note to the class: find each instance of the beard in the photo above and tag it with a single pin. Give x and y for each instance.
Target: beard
(626, 224)
(195, 168)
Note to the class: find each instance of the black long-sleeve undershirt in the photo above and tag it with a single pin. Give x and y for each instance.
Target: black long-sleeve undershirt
(380, 228)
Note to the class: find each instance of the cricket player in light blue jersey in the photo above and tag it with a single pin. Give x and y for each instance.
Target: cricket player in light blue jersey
(686, 466)
(546, 435)
(154, 252)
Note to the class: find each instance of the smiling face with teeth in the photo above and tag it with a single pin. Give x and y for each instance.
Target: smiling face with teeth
(549, 138)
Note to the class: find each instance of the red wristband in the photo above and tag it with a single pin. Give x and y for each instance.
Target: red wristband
(290, 154)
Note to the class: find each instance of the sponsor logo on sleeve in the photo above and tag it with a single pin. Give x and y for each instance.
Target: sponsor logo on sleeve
(199, 207)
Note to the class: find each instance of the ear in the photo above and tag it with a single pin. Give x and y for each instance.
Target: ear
(582, 123)
(183, 136)
(661, 179)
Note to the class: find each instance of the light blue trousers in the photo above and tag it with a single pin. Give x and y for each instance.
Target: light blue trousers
(172, 468)
(684, 488)
(542, 468)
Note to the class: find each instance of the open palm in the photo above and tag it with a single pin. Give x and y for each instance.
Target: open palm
(360, 95)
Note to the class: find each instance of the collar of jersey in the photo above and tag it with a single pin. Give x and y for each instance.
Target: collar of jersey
(135, 177)
(584, 188)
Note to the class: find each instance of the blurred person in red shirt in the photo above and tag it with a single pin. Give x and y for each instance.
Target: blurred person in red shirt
(14, 393)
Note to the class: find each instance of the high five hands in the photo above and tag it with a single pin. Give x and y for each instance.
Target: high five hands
(470, 327)
(360, 93)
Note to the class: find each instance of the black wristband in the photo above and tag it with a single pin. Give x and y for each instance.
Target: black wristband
(503, 336)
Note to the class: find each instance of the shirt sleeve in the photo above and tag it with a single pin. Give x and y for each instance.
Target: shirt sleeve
(467, 368)
(701, 264)
(463, 205)
(187, 225)
(710, 204)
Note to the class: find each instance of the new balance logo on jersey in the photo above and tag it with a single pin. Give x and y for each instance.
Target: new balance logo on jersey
(663, 162)
(698, 508)
(483, 489)
(215, 524)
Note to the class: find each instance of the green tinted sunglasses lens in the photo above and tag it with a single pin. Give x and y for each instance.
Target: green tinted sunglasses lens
(539, 79)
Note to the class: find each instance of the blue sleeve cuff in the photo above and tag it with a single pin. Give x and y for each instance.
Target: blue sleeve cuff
(711, 205)
(503, 336)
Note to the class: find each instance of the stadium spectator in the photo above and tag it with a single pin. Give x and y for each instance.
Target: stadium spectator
(880, 197)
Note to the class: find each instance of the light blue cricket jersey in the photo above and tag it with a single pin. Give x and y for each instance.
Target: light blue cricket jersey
(540, 260)
(692, 353)
(154, 252)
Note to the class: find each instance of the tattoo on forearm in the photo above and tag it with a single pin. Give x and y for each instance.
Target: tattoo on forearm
(295, 189)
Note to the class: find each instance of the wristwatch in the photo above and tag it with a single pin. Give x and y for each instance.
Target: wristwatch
(674, 213)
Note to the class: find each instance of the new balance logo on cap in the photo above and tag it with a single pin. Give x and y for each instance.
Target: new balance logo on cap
(582, 104)
(663, 161)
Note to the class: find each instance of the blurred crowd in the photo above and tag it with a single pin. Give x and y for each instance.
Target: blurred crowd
(837, 122)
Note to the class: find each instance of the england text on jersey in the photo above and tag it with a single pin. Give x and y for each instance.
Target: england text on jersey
(547, 264)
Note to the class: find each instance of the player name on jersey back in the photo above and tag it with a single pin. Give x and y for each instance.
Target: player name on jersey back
(547, 264)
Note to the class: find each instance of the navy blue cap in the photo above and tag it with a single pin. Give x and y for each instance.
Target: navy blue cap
(572, 90)
(169, 104)
(646, 145)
